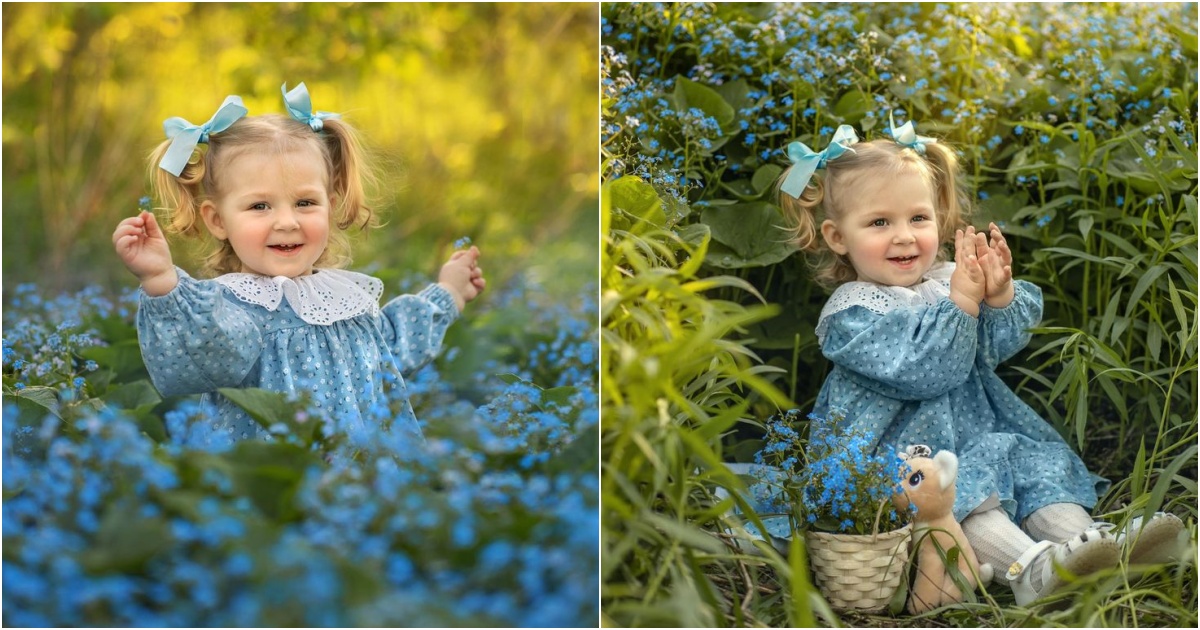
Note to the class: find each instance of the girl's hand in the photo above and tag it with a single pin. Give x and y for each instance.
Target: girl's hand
(462, 277)
(144, 250)
(997, 266)
(968, 283)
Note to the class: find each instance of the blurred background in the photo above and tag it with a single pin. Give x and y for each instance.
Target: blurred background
(484, 117)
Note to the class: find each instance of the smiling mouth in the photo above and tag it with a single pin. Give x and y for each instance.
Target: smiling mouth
(286, 248)
(903, 260)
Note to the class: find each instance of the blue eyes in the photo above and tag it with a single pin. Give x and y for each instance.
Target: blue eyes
(303, 203)
(884, 222)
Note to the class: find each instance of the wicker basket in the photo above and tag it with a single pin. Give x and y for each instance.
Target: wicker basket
(859, 572)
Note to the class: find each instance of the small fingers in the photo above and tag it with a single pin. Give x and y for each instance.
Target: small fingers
(981, 243)
(969, 242)
(150, 224)
(128, 227)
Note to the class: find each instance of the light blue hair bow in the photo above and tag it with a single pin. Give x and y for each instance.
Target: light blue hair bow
(907, 135)
(299, 107)
(185, 136)
(805, 161)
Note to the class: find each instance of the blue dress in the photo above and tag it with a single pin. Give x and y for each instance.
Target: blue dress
(912, 368)
(324, 334)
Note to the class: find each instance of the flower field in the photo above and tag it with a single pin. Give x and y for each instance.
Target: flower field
(122, 509)
(1076, 126)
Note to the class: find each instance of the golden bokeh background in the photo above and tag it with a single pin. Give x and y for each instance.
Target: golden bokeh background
(484, 117)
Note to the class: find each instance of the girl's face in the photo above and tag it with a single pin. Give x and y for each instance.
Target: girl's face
(889, 231)
(274, 209)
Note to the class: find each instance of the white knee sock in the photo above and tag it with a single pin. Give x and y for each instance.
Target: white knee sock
(1057, 522)
(996, 539)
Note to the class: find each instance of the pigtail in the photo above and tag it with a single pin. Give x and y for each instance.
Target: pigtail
(829, 269)
(350, 175)
(801, 214)
(179, 196)
(953, 204)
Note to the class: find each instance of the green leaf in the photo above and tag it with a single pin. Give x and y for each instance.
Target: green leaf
(125, 542)
(1085, 224)
(685, 534)
(265, 406)
(269, 408)
(37, 399)
(689, 94)
(1139, 470)
(123, 357)
(269, 473)
(1143, 284)
(582, 454)
(138, 395)
(800, 612)
(1165, 479)
(736, 93)
(698, 236)
(637, 199)
(560, 396)
(852, 107)
(752, 235)
(765, 177)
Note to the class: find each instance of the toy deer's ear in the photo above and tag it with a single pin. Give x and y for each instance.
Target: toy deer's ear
(947, 464)
(918, 450)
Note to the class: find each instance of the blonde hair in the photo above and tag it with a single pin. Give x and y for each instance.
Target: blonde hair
(832, 192)
(338, 144)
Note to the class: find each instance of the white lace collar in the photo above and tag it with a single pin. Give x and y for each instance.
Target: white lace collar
(879, 298)
(322, 297)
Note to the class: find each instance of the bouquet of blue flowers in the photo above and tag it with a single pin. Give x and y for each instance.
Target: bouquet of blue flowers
(836, 482)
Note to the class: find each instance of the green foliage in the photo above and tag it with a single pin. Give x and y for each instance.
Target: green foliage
(672, 385)
(1076, 128)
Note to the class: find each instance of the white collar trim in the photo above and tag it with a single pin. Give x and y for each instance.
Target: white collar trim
(881, 299)
(322, 297)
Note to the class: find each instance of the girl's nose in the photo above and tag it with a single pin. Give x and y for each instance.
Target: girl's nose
(903, 235)
(285, 219)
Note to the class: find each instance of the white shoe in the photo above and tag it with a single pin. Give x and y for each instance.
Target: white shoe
(1086, 553)
(1158, 541)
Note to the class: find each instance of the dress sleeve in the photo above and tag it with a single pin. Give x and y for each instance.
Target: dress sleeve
(414, 326)
(194, 340)
(906, 353)
(1004, 331)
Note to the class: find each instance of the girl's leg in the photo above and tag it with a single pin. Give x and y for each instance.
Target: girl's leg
(1028, 565)
(996, 539)
(1058, 522)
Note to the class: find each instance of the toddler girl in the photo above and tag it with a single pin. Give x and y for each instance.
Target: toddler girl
(915, 340)
(277, 192)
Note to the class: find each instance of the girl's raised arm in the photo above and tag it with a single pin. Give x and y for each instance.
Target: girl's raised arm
(143, 248)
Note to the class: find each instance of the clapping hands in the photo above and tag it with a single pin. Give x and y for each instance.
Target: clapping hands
(983, 271)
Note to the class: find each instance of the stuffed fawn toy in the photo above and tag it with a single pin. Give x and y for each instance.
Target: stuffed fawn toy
(929, 485)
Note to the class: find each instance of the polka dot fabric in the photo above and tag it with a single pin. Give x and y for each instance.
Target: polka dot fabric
(201, 336)
(925, 374)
